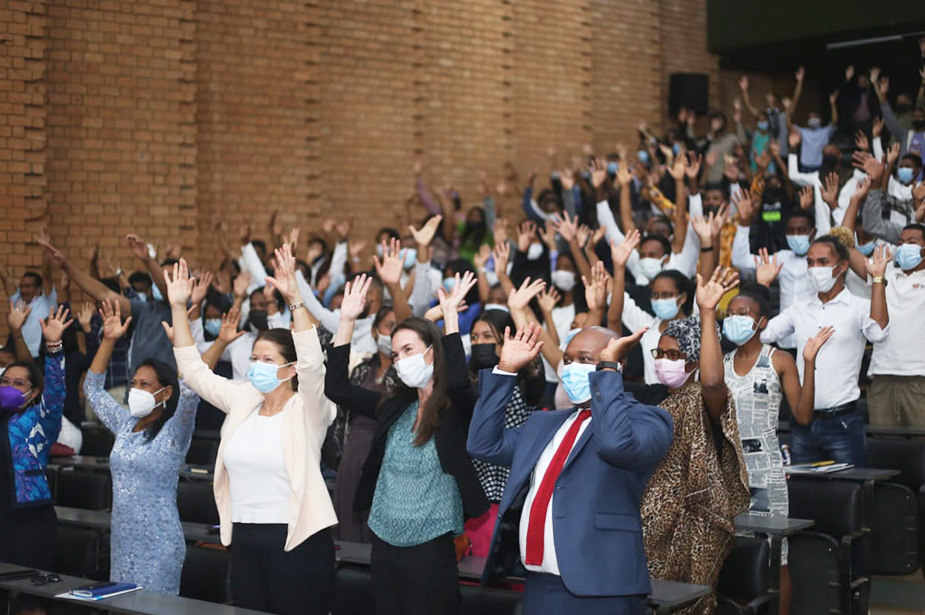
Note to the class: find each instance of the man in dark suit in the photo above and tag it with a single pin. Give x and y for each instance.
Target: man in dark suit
(570, 509)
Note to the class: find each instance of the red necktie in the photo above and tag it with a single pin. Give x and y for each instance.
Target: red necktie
(537, 523)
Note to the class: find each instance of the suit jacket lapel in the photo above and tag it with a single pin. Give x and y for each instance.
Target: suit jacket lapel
(582, 440)
(546, 431)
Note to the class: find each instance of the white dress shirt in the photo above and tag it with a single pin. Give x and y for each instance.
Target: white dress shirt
(41, 305)
(839, 360)
(634, 317)
(550, 564)
(902, 354)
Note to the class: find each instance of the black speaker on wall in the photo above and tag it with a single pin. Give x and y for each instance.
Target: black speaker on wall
(690, 90)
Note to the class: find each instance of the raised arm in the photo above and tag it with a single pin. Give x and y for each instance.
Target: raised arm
(803, 411)
(567, 227)
(43, 237)
(876, 269)
(389, 269)
(109, 411)
(449, 302)
(16, 318)
(678, 172)
(226, 336)
(96, 289)
(712, 375)
(797, 91)
(139, 248)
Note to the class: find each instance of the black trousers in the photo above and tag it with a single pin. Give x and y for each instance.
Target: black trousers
(418, 580)
(27, 536)
(266, 578)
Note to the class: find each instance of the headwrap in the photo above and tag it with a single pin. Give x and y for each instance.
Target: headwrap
(687, 332)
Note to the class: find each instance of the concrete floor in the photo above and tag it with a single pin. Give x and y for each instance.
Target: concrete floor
(898, 595)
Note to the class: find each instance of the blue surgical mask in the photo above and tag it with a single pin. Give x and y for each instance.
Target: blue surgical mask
(612, 167)
(213, 326)
(739, 328)
(908, 256)
(577, 382)
(814, 122)
(867, 248)
(905, 174)
(156, 293)
(449, 284)
(411, 257)
(798, 243)
(643, 156)
(763, 125)
(263, 376)
(666, 309)
(676, 148)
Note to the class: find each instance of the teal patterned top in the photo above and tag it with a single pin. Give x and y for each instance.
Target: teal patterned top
(415, 501)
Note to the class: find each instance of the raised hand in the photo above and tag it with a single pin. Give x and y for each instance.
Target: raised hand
(230, 321)
(703, 227)
(481, 258)
(548, 299)
(801, 72)
(392, 263)
(500, 230)
(807, 198)
(677, 170)
(201, 288)
(861, 141)
(745, 205)
(743, 83)
(568, 227)
(774, 148)
(617, 350)
(718, 221)
(892, 154)
(355, 297)
(55, 254)
(620, 253)
(42, 236)
(624, 176)
(179, 284)
(57, 323)
(424, 235)
(830, 190)
(596, 287)
(794, 138)
(862, 189)
(598, 173)
(873, 167)
(283, 278)
(520, 349)
(881, 258)
(567, 177)
(849, 72)
(18, 314)
(502, 254)
(450, 301)
(813, 344)
(138, 246)
(709, 293)
(765, 268)
(343, 227)
(877, 128)
(113, 327)
(241, 283)
(85, 315)
(694, 162)
(525, 235)
(520, 298)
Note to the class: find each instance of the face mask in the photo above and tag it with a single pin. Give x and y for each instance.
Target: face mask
(576, 381)
(156, 293)
(472, 226)
(905, 174)
(814, 122)
(830, 160)
(821, 278)
(903, 107)
(572, 333)
(643, 156)
(908, 256)
(612, 168)
(650, 267)
(411, 257)
(738, 328)
(213, 326)
(379, 250)
(772, 195)
(258, 318)
(484, 356)
(866, 248)
(534, 251)
(497, 306)
(763, 125)
(563, 280)
(141, 403)
(676, 148)
(414, 371)
(798, 243)
(671, 373)
(11, 398)
(918, 125)
(666, 309)
(141, 297)
(448, 284)
(263, 376)
(384, 343)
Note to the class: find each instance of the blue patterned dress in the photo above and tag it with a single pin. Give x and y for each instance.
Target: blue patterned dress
(147, 539)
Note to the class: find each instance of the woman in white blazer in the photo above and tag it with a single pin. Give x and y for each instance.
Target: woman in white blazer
(272, 500)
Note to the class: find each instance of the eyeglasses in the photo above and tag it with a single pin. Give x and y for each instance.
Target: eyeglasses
(18, 383)
(673, 355)
(43, 579)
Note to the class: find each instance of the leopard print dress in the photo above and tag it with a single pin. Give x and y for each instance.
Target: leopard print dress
(692, 498)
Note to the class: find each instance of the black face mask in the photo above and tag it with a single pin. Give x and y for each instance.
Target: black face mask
(903, 108)
(773, 195)
(483, 356)
(919, 125)
(258, 319)
(473, 226)
(830, 160)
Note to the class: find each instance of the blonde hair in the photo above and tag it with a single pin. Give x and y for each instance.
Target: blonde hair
(844, 235)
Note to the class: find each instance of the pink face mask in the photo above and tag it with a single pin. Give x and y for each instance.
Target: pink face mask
(671, 373)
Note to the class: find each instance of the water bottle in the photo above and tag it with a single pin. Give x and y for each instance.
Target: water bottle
(785, 453)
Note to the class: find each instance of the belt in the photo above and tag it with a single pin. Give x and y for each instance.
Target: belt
(828, 413)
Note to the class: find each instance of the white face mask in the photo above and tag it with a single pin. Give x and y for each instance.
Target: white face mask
(497, 306)
(650, 267)
(534, 251)
(822, 278)
(414, 371)
(384, 342)
(563, 280)
(141, 403)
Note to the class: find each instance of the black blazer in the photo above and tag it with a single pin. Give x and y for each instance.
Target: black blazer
(450, 436)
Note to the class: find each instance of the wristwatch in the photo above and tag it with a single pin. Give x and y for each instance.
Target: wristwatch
(610, 365)
(879, 280)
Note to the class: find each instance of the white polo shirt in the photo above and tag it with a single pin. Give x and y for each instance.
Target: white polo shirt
(902, 354)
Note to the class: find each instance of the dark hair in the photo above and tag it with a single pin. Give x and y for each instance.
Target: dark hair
(915, 158)
(478, 233)
(388, 230)
(139, 276)
(8, 350)
(167, 262)
(384, 310)
(282, 339)
(35, 377)
(837, 246)
(277, 296)
(259, 245)
(531, 379)
(682, 283)
(112, 284)
(719, 115)
(438, 402)
(319, 239)
(460, 266)
(36, 278)
(662, 240)
(759, 294)
(802, 213)
(662, 219)
(166, 376)
(915, 227)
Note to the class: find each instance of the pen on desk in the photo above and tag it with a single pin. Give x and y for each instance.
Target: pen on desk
(822, 464)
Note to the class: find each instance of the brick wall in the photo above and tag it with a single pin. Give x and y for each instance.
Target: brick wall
(155, 116)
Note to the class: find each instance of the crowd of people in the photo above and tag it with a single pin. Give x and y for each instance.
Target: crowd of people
(585, 389)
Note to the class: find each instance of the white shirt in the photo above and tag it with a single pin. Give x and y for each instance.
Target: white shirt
(634, 317)
(31, 329)
(550, 563)
(562, 318)
(795, 286)
(820, 207)
(839, 360)
(258, 480)
(903, 354)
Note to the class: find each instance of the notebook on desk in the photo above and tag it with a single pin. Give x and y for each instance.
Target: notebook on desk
(99, 591)
(817, 468)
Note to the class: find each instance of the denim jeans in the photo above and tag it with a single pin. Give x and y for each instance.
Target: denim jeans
(840, 439)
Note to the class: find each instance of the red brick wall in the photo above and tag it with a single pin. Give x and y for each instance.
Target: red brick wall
(155, 115)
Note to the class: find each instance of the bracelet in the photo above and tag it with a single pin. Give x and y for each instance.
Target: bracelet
(706, 249)
(295, 306)
(119, 272)
(54, 346)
